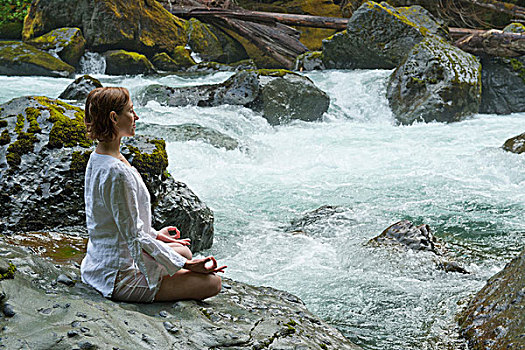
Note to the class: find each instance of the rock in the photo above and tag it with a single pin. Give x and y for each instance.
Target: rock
(7, 270)
(163, 62)
(125, 62)
(514, 28)
(503, 85)
(64, 279)
(188, 132)
(436, 82)
(212, 67)
(67, 43)
(17, 58)
(80, 88)
(142, 26)
(309, 61)
(515, 144)
(203, 41)
(11, 30)
(241, 317)
(42, 168)
(494, 317)
(320, 221)
(419, 238)
(8, 310)
(379, 36)
(280, 95)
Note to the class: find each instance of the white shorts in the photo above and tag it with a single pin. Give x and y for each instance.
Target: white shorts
(131, 286)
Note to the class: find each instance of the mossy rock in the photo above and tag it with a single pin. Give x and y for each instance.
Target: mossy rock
(494, 318)
(163, 62)
(515, 144)
(309, 61)
(142, 26)
(436, 82)
(514, 28)
(379, 36)
(18, 58)
(11, 30)
(80, 88)
(503, 85)
(125, 62)
(67, 43)
(203, 41)
(232, 50)
(211, 67)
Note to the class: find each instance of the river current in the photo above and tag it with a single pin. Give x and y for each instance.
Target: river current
(454, 177)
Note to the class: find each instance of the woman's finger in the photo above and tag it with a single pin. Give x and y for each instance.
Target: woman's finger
(220, 269)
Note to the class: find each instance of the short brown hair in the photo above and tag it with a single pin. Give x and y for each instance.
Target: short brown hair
(99, 104)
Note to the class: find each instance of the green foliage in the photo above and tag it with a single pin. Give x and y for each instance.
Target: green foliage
(13, 10)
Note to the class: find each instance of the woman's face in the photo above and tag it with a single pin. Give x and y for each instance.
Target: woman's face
(126, 121)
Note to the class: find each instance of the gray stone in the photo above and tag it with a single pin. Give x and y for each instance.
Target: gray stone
(212, 67)
(494, 318)
(64, 279)
(17, 58)
(309, 61)
(8, 310)
(189, 132)
(515, 144)
(80, 88)
(503, 85)
(242, 317)
(318, 222)
(379, 36)
(43, 163)
(436, 82)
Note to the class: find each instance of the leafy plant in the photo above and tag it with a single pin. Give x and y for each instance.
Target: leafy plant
(13, 10)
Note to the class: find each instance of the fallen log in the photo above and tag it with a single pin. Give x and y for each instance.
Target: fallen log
(499, 6)
(493, 43)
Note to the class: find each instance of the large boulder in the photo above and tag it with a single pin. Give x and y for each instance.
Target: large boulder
(503, 85)
(379, 36)
(142, 26)
(17, 58)
(54, 310)
(43, 155)
(12, 15)
(80, 88)
(180, 60)
(495, 317)
(280, 95)
(125, 62)
(67, 43)
(436, 82)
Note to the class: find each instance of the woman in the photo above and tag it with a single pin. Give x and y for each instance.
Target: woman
(126, 258)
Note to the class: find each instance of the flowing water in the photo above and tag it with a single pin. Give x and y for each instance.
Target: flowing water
(454, 177)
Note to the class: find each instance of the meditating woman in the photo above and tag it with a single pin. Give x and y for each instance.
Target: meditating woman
(126, 258)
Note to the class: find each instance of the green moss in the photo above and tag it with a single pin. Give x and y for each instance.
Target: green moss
(31, 115)
(5, 138)
(150, 164)
(66, 131)
(23, 145)
(10, 273)
(273, 72)
(13, 51)
(79, 161)
(518, 67)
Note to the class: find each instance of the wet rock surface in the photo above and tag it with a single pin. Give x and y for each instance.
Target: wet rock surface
(436, 82)
(17, 58)
(43, 154)
(56, 316)
(515, 144)
(319, 222)
(80, 88)
(419, 238)
(120, 62)
(280, 95)
(495, 317)
(379, 36)
(189, 132)
(67, 43)
(503, 85)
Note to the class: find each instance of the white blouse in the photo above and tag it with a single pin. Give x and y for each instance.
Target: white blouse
(118, 218)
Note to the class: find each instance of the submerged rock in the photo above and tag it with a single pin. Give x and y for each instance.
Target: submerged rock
(420, 238)
(18, 58)
(495, 319)
(280, 95)
(515, 144)
(436, 82)
(321, 221)
(125, 62)
(503, 85)
(188, 132)
(80, 88)
(42, 164)
(56, 316)
(67, 43)
(379, 36)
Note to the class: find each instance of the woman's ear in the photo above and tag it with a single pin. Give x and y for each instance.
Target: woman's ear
(113, 117)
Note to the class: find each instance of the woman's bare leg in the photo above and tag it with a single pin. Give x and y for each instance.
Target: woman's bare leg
(182, 250)
(185, 284)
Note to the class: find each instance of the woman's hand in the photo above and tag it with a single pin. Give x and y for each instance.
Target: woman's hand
(169, 234)
(205, 265)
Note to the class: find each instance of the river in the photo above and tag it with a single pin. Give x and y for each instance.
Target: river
(454, 177)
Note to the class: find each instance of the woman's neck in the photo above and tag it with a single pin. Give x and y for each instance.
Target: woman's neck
(111, 148)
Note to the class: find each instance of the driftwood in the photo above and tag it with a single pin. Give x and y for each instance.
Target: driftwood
(499, 6)
(493, 43)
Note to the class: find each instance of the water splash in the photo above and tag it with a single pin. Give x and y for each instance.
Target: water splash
(92, 63)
